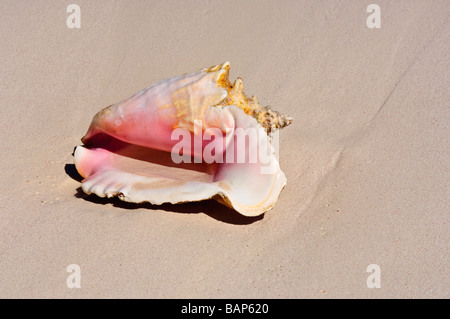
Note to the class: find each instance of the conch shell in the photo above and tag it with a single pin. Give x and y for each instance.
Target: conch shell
(180, 140)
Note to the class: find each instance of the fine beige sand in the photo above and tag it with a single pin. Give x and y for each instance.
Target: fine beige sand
(366, 158)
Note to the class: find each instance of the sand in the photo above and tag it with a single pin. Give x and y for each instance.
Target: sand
(366, 158)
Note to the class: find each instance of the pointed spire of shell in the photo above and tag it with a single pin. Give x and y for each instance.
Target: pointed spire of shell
(270, 119)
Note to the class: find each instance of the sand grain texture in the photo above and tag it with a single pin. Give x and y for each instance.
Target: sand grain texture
(366, 158)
